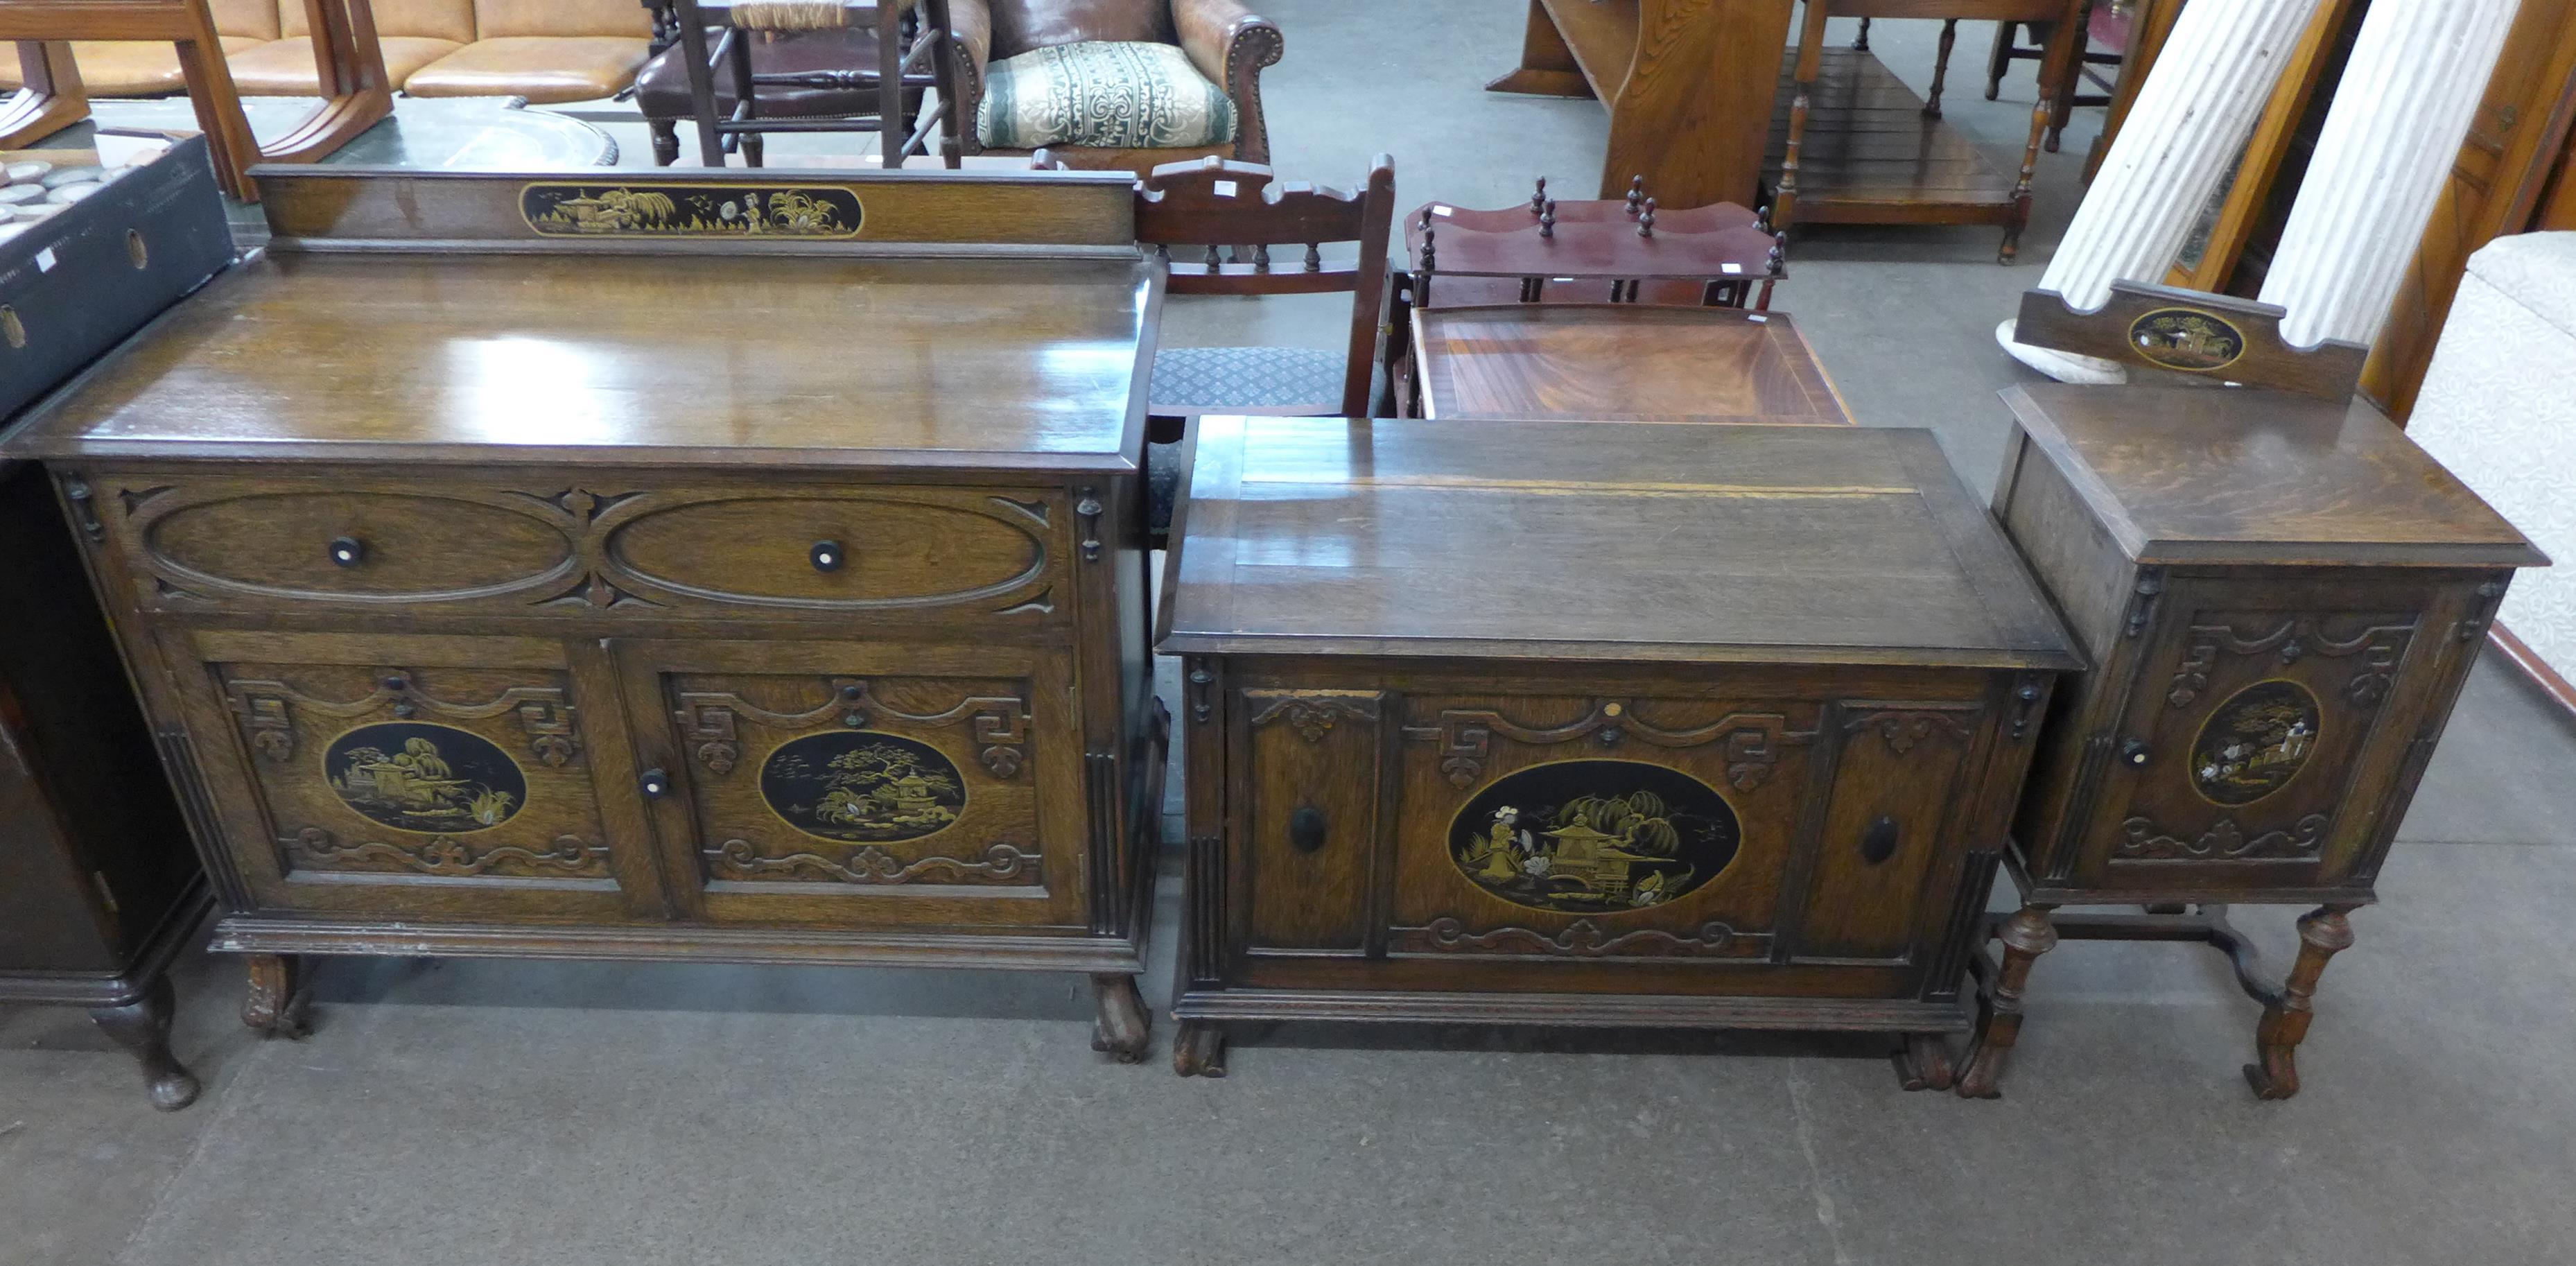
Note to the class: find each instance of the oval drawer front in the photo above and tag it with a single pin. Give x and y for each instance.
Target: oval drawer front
(837, 552)
(394, 546)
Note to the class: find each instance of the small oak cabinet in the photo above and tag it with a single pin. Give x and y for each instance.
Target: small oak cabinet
(2281, 597)
(643, 599)
(1593, 724)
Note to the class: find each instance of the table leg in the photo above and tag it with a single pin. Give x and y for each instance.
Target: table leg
(2025, 936)
(2063, 42)
(2323, 933)
(143, 1027)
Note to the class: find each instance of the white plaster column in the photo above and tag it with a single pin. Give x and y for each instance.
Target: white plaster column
(2417, 72)
(2183, 133)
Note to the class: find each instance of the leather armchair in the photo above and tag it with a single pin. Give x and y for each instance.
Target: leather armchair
(1227, 42)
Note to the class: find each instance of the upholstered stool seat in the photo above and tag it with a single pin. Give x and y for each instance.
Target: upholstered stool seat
(1102, 93)
(662, 91)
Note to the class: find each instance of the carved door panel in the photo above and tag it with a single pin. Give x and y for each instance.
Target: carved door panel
(1584, 828)
(837, 783)
(459, 777)
(2248, 743)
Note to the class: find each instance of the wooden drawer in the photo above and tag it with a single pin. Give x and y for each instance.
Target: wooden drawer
(434, 777)
(1724, 841)
(842, 784)
(955, 555)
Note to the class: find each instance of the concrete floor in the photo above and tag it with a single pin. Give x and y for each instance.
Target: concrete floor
(504, 1112)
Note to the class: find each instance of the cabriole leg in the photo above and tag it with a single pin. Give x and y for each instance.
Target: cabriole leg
(276, 1004)
(1123, 1028)
(2025, 936)
(2323, 933)
(143, 1027)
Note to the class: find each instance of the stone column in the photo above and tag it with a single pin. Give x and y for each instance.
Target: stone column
(2417, 72)
(2182, 136)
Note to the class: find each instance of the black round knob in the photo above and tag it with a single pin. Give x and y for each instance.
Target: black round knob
(2135, 753)
(828, 555)
(348, 551)
(657, 783)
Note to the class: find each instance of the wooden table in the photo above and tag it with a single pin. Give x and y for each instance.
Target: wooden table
(1593, 723)
(1624, 361)
(552, 565)
(1700, 99)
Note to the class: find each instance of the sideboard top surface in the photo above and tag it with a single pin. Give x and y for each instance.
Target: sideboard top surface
(794, 361)
(1599, 541)
(2244, 476)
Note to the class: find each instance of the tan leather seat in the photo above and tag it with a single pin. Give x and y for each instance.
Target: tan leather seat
(549, 51)
(284, 68)
(547, 70)
(121, 69)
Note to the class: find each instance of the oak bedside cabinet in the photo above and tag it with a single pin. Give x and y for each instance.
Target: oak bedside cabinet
(1591, 723)
(2281, 597)
(703, 566)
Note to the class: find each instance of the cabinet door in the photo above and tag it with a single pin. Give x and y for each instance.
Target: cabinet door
(416, 776)
(852, 784)
(2260, 744)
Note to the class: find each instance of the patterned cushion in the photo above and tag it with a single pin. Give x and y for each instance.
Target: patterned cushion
(1125, 96)
(1190, 380)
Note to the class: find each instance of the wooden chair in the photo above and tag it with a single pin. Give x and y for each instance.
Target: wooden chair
(913, 45)
(2008, 49)
(1198, 214)
(347, 60)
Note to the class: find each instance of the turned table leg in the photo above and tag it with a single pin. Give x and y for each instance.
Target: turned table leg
(2025, 936)
(143, 1027)
(2323, 933)
(1123, 1027)
(1199, 1050)
(276, 1004)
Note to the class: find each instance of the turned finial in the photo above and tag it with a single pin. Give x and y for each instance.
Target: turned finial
(1547, 219)
(1646, 219)
(1538, 198)
(1426, 242)
(1636, 194)
(1762, 217)
(1779, 254)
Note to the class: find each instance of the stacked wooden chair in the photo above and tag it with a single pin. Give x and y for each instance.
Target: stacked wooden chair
(753, 67)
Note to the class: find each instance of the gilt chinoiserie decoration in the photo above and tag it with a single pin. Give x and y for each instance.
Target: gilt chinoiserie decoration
(1444, 767)
(2281, 598)
(696, 637)
(564, 209)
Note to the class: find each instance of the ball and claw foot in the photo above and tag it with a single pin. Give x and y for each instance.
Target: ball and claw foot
(1123, 1028)
(1924, 1063)
(1199, 1051)
(2323, 933)
(277, 1005)
(143, 1027)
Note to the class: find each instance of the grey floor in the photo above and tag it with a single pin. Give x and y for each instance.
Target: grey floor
(505, 1112)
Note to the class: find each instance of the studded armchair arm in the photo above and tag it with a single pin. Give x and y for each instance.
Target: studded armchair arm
(1230, 44)
(972, 20)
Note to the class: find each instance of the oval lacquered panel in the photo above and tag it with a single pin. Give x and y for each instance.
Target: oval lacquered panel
(763, 551)
(410, 547)
(862, 785)
(417, 776)
(2255, 742)
(1594, 836)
